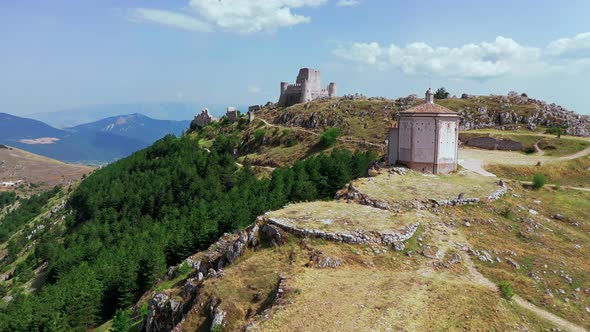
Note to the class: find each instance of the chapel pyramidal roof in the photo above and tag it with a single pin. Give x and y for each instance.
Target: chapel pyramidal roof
(429, 106)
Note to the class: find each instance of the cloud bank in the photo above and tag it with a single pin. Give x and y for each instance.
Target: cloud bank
(347, 3)
(241, 16)
(480, 61)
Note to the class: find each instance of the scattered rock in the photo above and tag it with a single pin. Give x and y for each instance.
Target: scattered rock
(513, 263)
(430, 252)
(398, 246)
(559, 217)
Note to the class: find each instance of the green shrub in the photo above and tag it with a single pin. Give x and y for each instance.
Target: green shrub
(508, 214)
(259, 135)
(441, 93)
(329, 137)
(289, 138)
(539, 180)
(557, 131)
(506, 290)
(184, 269)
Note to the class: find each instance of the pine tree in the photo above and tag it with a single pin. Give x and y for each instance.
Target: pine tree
(121, 321)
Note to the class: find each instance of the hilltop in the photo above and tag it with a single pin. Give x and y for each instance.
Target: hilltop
(279, 136)
(275, 224)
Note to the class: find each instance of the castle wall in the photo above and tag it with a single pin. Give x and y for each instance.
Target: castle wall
(307, 87)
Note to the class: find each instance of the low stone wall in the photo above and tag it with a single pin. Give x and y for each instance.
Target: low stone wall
(353, 237)
(461, 200)
(491, 143)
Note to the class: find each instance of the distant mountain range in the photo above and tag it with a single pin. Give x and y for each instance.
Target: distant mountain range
(97, 142)
(165, 111)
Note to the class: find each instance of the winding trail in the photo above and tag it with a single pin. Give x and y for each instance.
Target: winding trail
(556, 320)
(475, 159)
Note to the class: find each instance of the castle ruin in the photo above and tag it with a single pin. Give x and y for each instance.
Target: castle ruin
(203, 119)
(232, 114)
(307, 87)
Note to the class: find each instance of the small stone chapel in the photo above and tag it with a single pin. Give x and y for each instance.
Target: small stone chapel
(425, 138)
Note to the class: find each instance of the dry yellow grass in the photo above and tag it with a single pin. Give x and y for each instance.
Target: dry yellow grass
(36, 169)
(417, 186)
(351, 299)
(548, 251)
(339, 216)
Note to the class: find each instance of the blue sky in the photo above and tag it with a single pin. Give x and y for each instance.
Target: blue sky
(61, 54)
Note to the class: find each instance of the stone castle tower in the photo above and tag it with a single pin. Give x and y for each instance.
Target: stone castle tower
(307, 87)
(425, 138)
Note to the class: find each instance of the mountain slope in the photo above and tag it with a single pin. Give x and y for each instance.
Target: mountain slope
(136, 126)
(99, 142)
(14, 127)
(165, 110)
(44, 173)
(128, 221)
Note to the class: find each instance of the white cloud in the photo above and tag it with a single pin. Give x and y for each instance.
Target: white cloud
(483, 60)
(366, 53)
(576, 47)
(169, 18)
(253, 88)
(242, 16)
(347, 3)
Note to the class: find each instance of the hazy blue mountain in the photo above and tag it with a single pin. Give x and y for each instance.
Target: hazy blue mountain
(98, 142)
(14, 127)
(166, 111)
(137, 126)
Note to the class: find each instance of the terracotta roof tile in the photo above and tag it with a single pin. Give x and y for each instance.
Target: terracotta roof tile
(428, 108)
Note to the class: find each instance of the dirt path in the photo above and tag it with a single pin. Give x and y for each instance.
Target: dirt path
(578, 154)
(538, 149)
(475, 159)
(558, 321)
(553, 185)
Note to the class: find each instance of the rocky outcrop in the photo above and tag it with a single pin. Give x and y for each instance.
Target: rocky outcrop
(503, 112)
(167, 310)
(313, 120)
(162, 313)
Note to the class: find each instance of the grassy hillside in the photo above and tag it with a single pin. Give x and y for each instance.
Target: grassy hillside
(279, 136)
(574, 172)
(128, 221)
(41, 172)
(442, 278)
